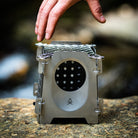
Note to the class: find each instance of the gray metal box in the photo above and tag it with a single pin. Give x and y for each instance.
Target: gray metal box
(67, 86)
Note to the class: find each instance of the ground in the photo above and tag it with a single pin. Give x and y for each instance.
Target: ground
(119, 119)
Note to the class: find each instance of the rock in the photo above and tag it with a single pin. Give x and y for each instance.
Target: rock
(119, 119)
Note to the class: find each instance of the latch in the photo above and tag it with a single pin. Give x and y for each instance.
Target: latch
(38, 105)
(98, 61)
(43, 61)
(99, 108)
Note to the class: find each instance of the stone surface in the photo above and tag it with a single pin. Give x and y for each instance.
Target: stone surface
(119, 119)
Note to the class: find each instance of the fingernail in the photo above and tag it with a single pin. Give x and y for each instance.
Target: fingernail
(47, 36)
(102, 19)
(38, 38)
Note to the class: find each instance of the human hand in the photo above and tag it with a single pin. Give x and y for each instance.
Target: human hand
(51, 10)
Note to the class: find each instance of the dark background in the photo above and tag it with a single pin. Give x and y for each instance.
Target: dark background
(18, 50)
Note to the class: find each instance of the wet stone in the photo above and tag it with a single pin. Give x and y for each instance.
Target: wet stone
(119, 119)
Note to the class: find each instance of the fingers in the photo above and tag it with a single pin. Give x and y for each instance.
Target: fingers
(48, 15)
(53, 17)
(56, 12)
(51, 10)
(42, 18)
(38, 16)
(96, 10)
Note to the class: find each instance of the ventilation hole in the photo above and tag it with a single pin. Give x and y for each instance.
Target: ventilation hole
(65, 68)
(78, 81)
(70, 75)
(64, 75)
(78, 74)
(72, 68)
(69, 121)
(72, 62)
(79, 67)
(71, 82)
(57, 75)
(58, 68)
(64, 82)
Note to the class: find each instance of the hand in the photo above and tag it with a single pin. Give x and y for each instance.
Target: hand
(51, 10)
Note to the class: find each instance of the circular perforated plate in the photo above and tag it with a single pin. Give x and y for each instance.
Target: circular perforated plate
(70, 75)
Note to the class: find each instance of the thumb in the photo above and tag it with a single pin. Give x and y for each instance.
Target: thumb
(96, 10)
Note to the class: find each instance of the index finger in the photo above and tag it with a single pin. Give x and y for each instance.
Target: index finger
(38, 16)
